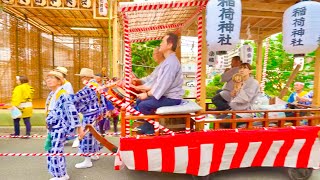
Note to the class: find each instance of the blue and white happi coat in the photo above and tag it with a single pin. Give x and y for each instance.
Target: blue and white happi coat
(62, 118)
(87, 103)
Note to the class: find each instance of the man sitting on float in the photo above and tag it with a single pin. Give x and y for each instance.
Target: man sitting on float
(166, 88)
(295, 100)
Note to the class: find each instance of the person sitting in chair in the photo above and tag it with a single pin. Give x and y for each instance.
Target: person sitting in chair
(296, 100)
(166, 88)
(299, 93)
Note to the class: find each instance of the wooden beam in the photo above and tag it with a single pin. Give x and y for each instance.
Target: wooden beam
(203, 96)
(289, 82)
(64, 18)
(47, 7)
(276, 21)
(262, 14)
(258, 6)
(116, 42)
(191, 20)
(253, 36)
(30, 21)
(269, 33)
(316, 86)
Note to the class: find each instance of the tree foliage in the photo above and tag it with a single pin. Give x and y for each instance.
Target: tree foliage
(142, 60)
(213, 86)
(279, 69)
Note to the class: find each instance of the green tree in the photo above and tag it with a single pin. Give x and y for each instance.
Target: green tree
(280, 66)
(142, 60)
(213, 86)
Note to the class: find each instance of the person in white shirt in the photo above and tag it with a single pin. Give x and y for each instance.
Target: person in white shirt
(67, 85)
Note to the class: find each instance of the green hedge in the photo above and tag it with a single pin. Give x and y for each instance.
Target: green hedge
(37, 119)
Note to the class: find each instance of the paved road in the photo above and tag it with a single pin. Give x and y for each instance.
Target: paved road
(34, 168)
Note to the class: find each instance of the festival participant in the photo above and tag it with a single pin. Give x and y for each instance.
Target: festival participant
(244, 97)
(299, 93)
(87, 103)
(22, 99)
(243, 94)
(105, 105)
(296, 100)
(66, 85)
(62, 118)
(144, 84)
(166, 88)
(222, 99)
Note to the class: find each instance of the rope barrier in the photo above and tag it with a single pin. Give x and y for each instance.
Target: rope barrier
(57, 154)
(44, 136)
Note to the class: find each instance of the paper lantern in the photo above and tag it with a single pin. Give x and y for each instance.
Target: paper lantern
(55, 3)
(246, 53)
(86, 3)
(223, 24)
(103, 7)
(24, 2)
(301, 27)
(71, 3)
(8, 1)
(40, 2)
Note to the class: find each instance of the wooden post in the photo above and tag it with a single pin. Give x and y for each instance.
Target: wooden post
(178, 50)
(123, 122)
(316, 86)
(116, 44)
(259, 61)
(202, 101)
(203, 65)
(110, 47)
(157, 132)
(290, 80)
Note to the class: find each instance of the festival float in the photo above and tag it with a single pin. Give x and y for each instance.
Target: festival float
(198, 151)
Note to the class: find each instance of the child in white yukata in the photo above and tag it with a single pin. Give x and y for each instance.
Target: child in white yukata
(87, 103)
(62, 118)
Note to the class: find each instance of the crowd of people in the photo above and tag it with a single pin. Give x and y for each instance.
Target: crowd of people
(163, 87)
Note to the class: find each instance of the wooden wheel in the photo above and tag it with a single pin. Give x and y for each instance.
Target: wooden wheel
(299, 173)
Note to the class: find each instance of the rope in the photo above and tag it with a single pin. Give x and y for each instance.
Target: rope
(199, 62)
(44, 136)
(264, 70)
(154, 6)
(127, 106)
(57, 154)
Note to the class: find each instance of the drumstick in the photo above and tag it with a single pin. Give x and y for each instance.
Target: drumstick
(133, 93)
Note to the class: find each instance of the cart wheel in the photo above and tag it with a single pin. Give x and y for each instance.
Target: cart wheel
(299, 173)
(207, 177)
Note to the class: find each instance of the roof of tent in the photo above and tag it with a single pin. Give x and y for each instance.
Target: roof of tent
(264, 17)
(148, 21)
(152, 20)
